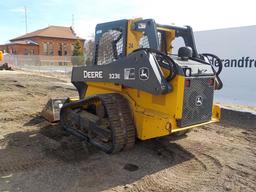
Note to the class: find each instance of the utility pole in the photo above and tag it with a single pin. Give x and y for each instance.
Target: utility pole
(73, 22)
(26, 19)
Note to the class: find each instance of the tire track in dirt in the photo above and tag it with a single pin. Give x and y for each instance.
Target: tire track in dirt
(17, 160)
(25, 151)
(213, 158)
(188, 166)
(241, 176)
(244, 174)
(25, 164)
(199, 170)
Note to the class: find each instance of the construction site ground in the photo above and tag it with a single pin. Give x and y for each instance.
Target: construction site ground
(38, 156)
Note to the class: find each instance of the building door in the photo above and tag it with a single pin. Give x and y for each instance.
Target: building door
(60, 49)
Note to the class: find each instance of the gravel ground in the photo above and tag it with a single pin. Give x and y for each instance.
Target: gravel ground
(38, 156)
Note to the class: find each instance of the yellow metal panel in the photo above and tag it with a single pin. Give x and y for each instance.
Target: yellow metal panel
(1, 56)
(133, 37)
(153, 126)
(194, 126)
(216, 112)
(72, 99)
(170, 36)
(144, 99)
(165, 29)
(102, 88)
(160, 100)
(151, 111)
(180, 95)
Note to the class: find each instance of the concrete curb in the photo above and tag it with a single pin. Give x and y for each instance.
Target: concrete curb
(240, 118)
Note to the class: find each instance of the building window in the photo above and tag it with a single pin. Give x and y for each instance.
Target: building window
(26, 52)
(50, 49)
(65, 49)
(72, 49)
(60, 49)
(45, 48)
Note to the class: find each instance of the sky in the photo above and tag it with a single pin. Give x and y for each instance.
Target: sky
(200, 14)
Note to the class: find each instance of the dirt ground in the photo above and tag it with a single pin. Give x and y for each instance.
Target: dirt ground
(38, 156)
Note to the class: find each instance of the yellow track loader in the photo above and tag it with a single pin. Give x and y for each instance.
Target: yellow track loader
(136, 88)
(3, 66)
(1, 56)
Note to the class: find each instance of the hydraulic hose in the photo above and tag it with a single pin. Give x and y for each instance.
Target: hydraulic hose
(172, 66)
(220, 65)
(219, 83)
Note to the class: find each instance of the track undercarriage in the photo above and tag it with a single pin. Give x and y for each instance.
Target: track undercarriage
(102, 120)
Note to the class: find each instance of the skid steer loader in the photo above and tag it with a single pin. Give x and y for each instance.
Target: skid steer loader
(3, 66)
(1, 56)
(137, 88)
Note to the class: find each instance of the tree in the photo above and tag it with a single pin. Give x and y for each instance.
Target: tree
(78, 53)
(89, 48)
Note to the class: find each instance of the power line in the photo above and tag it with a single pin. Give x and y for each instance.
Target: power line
(73, 22)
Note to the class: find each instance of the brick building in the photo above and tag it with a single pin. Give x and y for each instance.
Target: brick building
(50, 41)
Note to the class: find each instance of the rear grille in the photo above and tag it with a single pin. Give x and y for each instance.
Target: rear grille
(198, 100)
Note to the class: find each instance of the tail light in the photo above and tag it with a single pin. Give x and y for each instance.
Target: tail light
(211, 82)
(187, 83)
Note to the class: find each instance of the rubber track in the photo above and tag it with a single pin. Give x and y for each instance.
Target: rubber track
(127, 121)
(120, 118)
(121, 121)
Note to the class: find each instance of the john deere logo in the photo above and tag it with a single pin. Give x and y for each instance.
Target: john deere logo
(199, 100)
(144, 73)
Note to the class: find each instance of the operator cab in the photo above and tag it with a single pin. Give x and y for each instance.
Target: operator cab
(117, 39)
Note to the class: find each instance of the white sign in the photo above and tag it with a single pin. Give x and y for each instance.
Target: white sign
(237, 48)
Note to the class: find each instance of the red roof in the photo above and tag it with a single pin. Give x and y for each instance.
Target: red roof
(22, 42)
(51, 31)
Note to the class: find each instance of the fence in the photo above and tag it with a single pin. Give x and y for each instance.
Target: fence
(44, 64)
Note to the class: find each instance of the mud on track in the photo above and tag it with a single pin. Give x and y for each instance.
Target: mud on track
(38, 156)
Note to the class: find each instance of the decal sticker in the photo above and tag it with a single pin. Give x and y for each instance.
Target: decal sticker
(93, 74)
(199, 100)
(142, 26)
(129, 73)
(114, 76)
(144, 73)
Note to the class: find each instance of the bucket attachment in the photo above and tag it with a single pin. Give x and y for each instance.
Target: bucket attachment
(51, 111)
(5, 66)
